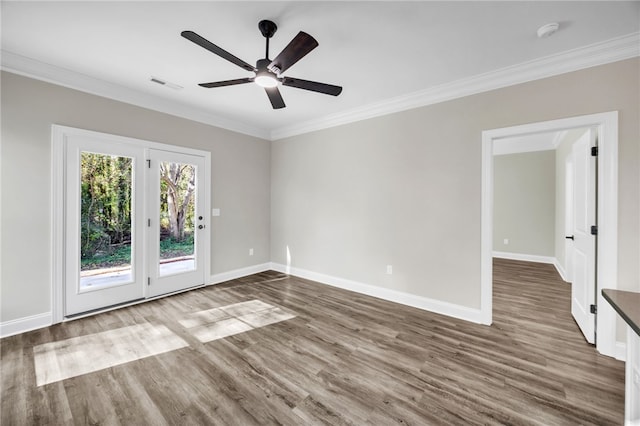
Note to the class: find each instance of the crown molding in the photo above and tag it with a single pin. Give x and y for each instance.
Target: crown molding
(609, 51)
(32, 68)
(601, 53)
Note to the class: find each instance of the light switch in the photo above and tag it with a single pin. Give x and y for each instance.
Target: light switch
(215, 212)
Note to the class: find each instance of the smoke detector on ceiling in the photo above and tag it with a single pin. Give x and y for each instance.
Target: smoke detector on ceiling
(548, 29)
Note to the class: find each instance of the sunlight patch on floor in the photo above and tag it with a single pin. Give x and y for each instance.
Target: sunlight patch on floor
(217, 323)
(76, 356)
(73, 357)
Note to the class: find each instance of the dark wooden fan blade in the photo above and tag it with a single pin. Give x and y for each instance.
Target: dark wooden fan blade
(274, 96)
(203, 42)
(314, 86)
(226, 82)
(297, 48)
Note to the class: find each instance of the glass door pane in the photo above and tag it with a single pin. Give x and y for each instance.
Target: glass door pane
(177, 218)
(105, 220)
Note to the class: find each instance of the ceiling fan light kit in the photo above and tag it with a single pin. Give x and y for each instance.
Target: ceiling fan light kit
(264, 79)
(267, 71)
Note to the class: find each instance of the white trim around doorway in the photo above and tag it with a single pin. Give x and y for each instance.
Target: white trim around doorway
(59, 135)
(607, 253)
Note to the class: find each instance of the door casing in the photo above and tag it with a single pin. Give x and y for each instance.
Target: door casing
(607, 213)
(60, 135)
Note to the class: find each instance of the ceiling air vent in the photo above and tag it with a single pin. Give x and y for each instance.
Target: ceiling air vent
(165, 83)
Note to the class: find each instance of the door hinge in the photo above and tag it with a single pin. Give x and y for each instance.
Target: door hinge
(594, 151)
(149, 282)
(149, 162)
(594, 230)
(593, 309)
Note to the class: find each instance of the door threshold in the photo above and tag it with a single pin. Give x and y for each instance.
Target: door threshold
(127, 304)
(100, 310)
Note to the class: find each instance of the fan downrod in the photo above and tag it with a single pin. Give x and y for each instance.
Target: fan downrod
(267, 28)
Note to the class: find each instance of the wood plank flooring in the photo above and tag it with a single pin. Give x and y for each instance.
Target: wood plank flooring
(344, 358)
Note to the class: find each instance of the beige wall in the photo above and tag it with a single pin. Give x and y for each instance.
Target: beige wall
(524, 197)
(239, 183)
(402, 189)
(405, 189)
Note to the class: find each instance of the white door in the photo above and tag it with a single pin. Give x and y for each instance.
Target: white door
(134, 221)
(568, 218)
(176, 223)
(104, 262)
(583, 287)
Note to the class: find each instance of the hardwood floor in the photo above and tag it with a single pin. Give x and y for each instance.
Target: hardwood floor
(339, 358)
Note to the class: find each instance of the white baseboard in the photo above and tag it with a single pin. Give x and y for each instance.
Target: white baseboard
(524, 257)
(22, 325)
(238, 273)
(620, 351)
(561, 271)
(533, 258)
(431, 305)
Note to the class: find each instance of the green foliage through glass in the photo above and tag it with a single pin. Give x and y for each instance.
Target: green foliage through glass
(106, 202)
(106, 199)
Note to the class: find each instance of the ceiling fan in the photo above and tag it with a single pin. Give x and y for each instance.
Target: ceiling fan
(268, 72)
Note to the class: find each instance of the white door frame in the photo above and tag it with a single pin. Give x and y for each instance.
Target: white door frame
(607, 252)
(59, 136)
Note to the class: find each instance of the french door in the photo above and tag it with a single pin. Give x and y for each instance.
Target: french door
(175, 187)
(93, 279)
(135, 223)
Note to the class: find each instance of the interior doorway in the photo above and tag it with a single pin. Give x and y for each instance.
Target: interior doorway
(544, 208)
(606, 208)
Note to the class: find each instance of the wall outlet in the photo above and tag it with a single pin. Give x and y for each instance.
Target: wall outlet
(389, 269)
(250, 252)
(506, 241)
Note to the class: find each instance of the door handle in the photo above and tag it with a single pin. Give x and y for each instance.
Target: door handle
(200, 226)
(570, 237)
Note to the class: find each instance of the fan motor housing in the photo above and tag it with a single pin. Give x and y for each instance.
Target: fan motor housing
(262, 64)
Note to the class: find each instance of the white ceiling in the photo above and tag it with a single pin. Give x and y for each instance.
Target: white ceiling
(379, 51)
